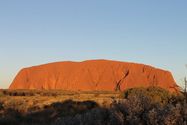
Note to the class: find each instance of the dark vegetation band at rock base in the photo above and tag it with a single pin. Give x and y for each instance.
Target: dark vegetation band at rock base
(137, 106)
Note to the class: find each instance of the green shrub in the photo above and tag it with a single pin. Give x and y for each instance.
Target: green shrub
(155, 94)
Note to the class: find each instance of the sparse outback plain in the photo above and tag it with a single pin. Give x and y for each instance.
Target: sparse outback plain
(142, 106)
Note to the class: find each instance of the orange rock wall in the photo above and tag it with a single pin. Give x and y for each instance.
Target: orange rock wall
(93, 75)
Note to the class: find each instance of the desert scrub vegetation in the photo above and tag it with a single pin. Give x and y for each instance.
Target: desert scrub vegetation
(47, 115)
(1, 93)
(137, 106)
(154, 106)
(22, 92)
(154, 94)
(29, 93)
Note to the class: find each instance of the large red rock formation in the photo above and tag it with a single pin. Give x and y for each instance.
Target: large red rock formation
(92, 75)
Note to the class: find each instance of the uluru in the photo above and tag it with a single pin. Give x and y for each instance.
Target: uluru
(93, 75)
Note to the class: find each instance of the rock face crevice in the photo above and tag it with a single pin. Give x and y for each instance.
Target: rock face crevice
(93, 75)
(118, 84)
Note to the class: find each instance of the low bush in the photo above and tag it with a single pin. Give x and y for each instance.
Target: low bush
(154, 94)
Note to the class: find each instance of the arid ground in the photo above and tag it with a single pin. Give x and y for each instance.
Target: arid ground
(138, 106)
(24, 100)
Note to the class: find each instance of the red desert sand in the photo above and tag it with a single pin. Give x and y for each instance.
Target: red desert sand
(101, 75)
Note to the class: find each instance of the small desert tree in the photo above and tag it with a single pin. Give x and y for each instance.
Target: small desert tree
(185, 86)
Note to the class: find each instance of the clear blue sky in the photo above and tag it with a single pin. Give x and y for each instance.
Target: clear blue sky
(34, 32)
